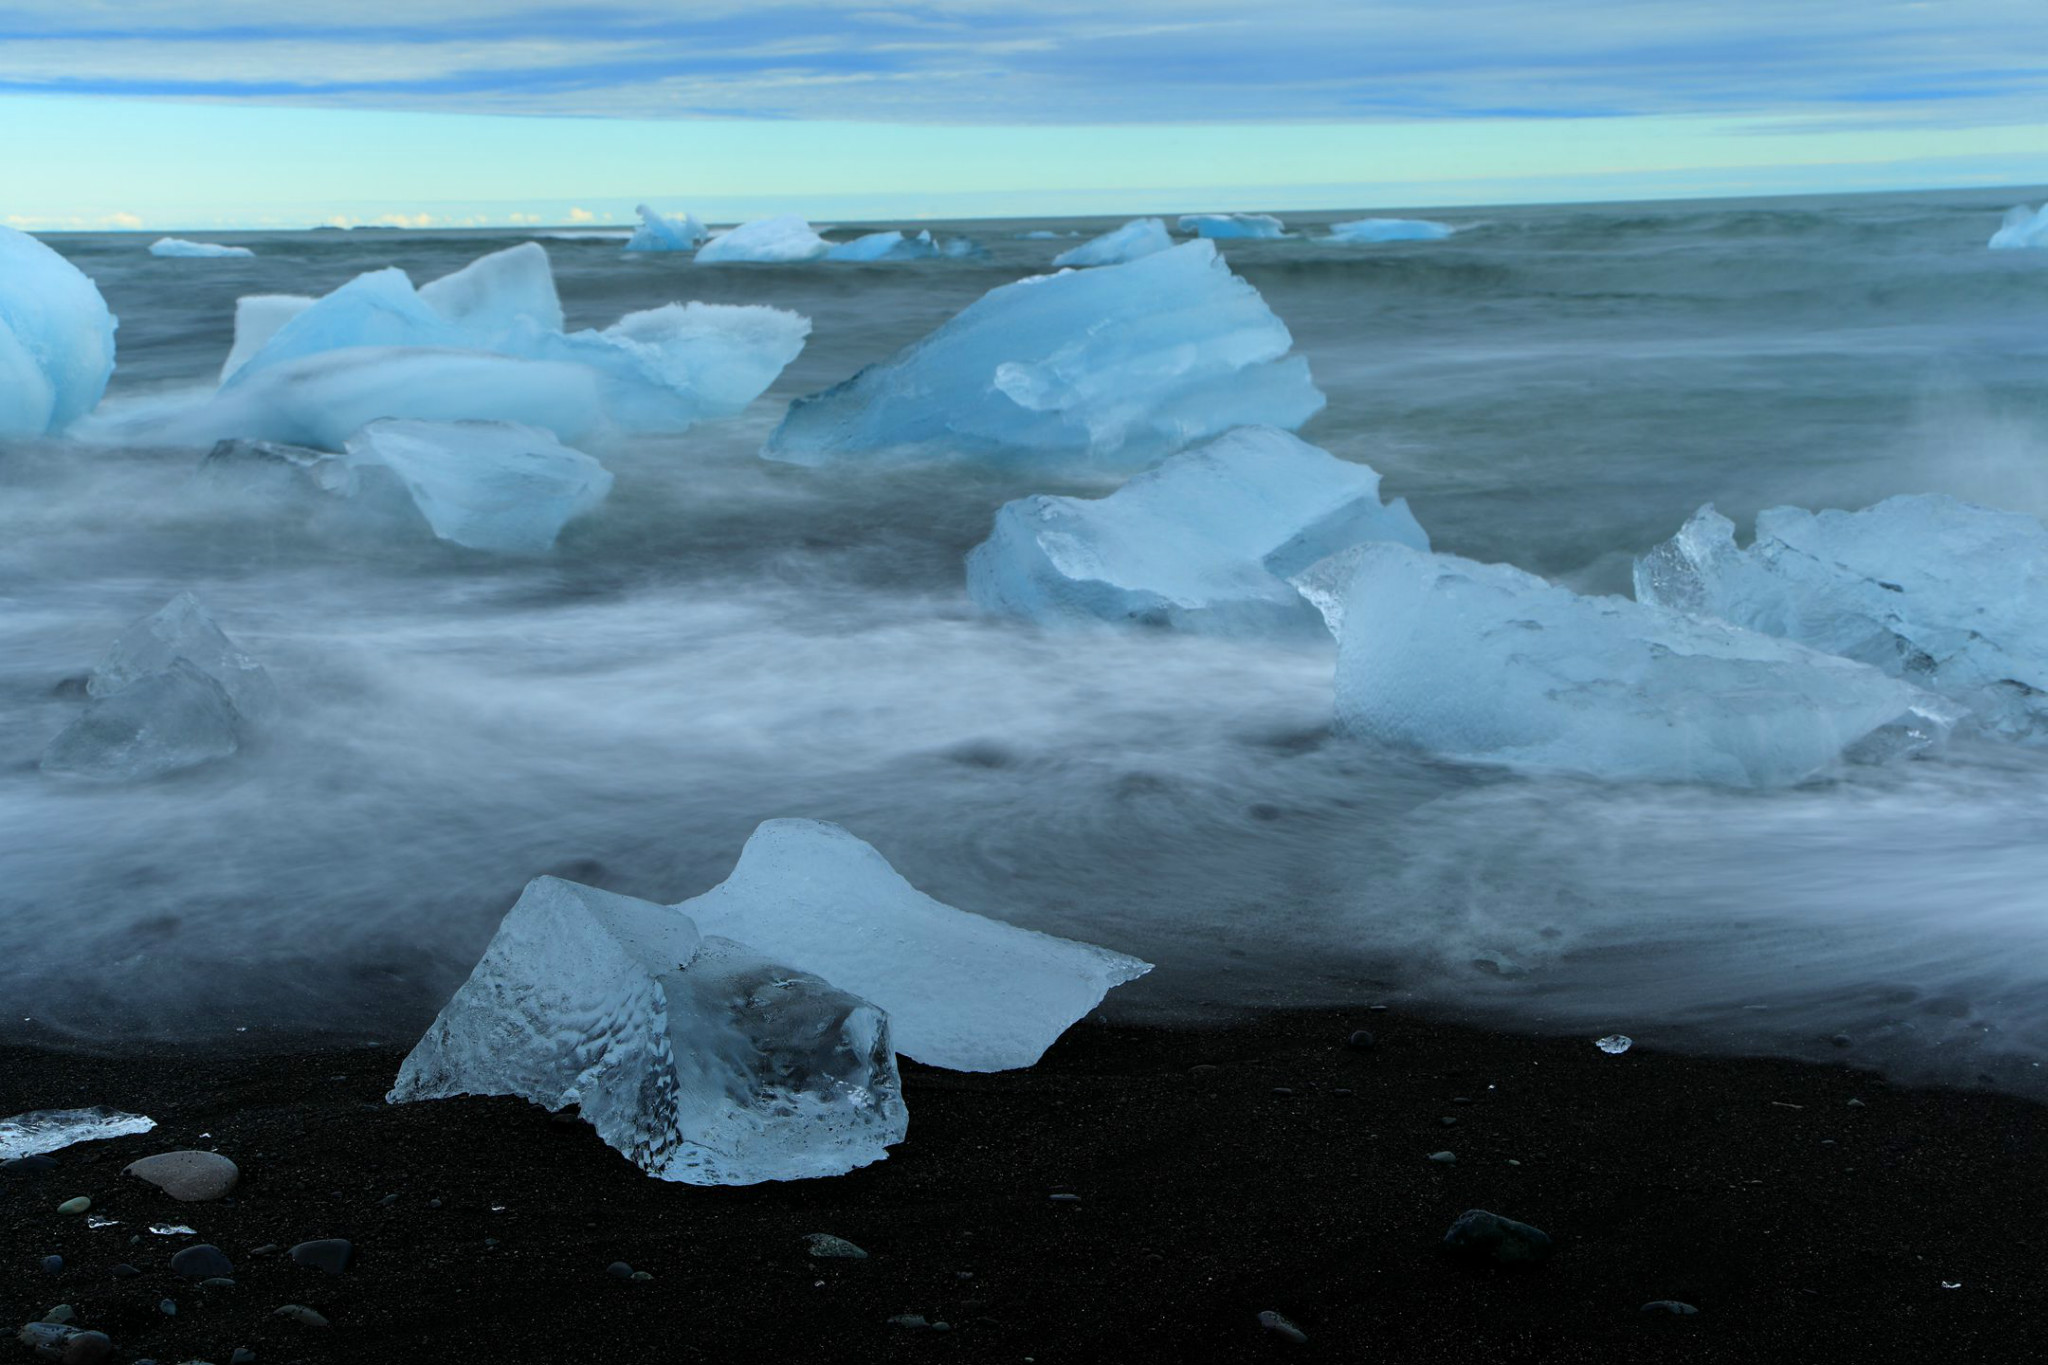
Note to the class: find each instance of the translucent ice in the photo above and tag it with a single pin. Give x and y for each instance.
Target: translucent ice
(1205, 542)
(52, 1130)
(961, 991)
(497, 300)
(183, 630)
(2023, 227)
(1614, 1044)
(1945, 595)
(1110, 368)
(885, 246)
(163, 723)
(1486, 663)
(177, 246)
(1139, 237)
(56, 339)
(487, 485)
(1223, 225)
(784, 239)
(1390, 230)
(701, 1060)
(257, 319)
(659, 232)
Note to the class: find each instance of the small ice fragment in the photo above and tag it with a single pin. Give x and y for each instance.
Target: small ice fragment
(1951, 1284)
(1229, 225)
(163, 723)
(94, 1220)
(183, 629)
(486, 485)
(1139, 237)
(661, 232)
(173, 1230)
(56, 339)
(774, 240)
(1614, 1043)
(50, 1130)
(178, 246)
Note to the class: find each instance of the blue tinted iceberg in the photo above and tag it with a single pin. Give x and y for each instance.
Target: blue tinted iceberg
(177, 246)
(2023, 227)
(1107, 369)
(659, 232)
(773, 240)
(1227, 225)
(1485, 663)
(1139, 237)
(1390, 230)
(56, 339)
(485, 485)
(885, 246)
(1206, 542)
(258, 317)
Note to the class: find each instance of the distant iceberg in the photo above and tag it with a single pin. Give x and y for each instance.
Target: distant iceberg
(1139, 237)
(885, 246)
(2023, 227)
(1390, 230)
(174, 246)
(658, 232)
(1206, 542)
(773, 240)
(1109, 369)
(56, 339)
(485, 485)
(1223, 225)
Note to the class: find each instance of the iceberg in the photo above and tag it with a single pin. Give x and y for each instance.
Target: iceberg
(774, 240)
(885, 246)
(496, 300)
(658, 232)
(56, 339)
(961, 991)
(1486, 663)
(700, 1059)
(1206, 542)
(1390, 230)
(1106, 369)
(1947, 596)
(257, 319)
(485, 485)
(177, 246)
(183, 631)
(2023, 227)
(1139, 237)
(1221, 225)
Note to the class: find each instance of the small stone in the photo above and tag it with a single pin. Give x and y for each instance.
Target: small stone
(168, 1307)
(53, 1265)
(619, 1270)
(124, 1271)
(78, 1205)
(387, 1201)
(642, 1276)
(242, 1356)
(299, 1313)
(1444, 1158)
(1858, 1104)
(1671, 1306)
(1378, 1009)
(1490, 1239)
(1342, 1093)
(1283, 1091)
(1448, 1121)
(1064, 1198)
(331, 1254)
(827, 1247)
(267, 1249)
(908, 1320)
(1361, 1041)
(1461, 1099)
(189, 1177)
(1282, 1328)
(63, 1312)
(203, 1261)
(1842, 1040)
(217, 1282)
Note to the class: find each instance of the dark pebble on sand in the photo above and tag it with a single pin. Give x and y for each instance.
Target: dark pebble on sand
(299, 1313)
(1361, 1040)
(619, 1270)
(1489, 1239)
(53, 1265)
(1670, 1306)
(1064, 1198)
(202, 1262)
(1283, 1091)
(242, 1356)
(124, 1271)
(1282, 1328)
(331, 1254)
(28, 1165)
(168, 1307)
(1448, 1122)
(1842, 1040)
(68, 1345)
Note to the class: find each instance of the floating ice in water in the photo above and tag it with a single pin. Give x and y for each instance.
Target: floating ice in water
(2023, 227)
(1110, 368)
(1044, 235)
(700, 1059)
(56, 339)
(257, 319)
(1205, 542)
(51, 1130)
(1948, 596)
(1614, 1043)
(177, 246)
(1486, 663)
(660, 232)
(1139, 237)
(1390, 230)
(961, 991)
(487, 485)
(183, 630)
(890, 246)
(1222, 225)
(775, 240)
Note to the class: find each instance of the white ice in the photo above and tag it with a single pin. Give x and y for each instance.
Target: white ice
(1486, 663)
(1225, 225)
(885, 246)
(961, 991)
(2023, 227)
(486, 485)
(702, 1060)
(1109, 369)
(52, 1130)
(177, 246)
(1945, 595)
(1139, 237)
(1390, 230)
(257, 319)
(182, 629)
(56, 339)
(775, 240)
(1206, 542)
(660, 232)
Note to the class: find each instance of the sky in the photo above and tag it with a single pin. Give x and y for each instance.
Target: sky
(152, 114)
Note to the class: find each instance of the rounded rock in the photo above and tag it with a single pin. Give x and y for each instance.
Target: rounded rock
(1282, 1328)
(1670, 1306)
(62, 1313)
(299, 1313)
(331, 1254)
(124, 1271)
(827, 1247)
(87, 1348)
(619, 1270)
(189, 1177)
(53, 1265)
(78, 1205)
(1361, 1041)
(1489, 1239)
(203, 1261)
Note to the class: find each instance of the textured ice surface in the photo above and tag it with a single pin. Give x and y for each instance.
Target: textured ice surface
(699, 1058)
(183, 630)
(163, 723)
(1206, 542)
(885, 246)
(487, 485)
(51, 1130)
(178, 246)
(257, 319)
(1110, 368)
(660, 232)
(1224, 225)
(56, 339)
(784, 239)
(1139, 237)
(1948, 596)
(1484, 662)
(2023, 227)
(1390, 230)
(497, 300)
(961, 991)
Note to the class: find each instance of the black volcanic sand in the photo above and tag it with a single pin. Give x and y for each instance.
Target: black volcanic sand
(1293, 1177)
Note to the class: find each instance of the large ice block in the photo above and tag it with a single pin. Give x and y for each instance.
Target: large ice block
(1486, 663)
(183, 630)
(487, 485)
(1390, 230)
(1945, 595)
(1139, 237)
(2023, 227)
(1111, 368)
(661, 232)
(178, 246)
(56, 339)
(701, 1059)
(961, 991)
(258, 318)
(779, 240)
(1227, 225)
(1205, 542)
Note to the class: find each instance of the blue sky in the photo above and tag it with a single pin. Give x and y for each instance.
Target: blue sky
(220, 113)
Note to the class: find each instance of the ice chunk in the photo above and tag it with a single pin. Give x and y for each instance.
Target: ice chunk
(668, 368)
(1390, 230)
(1223, 225)
(258, 318)
(56, 339)
(788, 238)
(162, 723)
(885, 246)
(1205, 542)
(2023, 227)
(182, 630)
(1486, 663)
(700, 1059)
(487, 485)
(961, 991)
(52, 1130)
(658, 232)
(1139, 237)
(496, 300)
(275, 467)
(1110, 368)
(177, 246)
(1044, 235)
(1942, 594)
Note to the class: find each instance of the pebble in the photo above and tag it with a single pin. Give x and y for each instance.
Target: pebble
(203, 1261)
(331, 1254)
(642, 1276)
(1282, 1328)
(1448, 1122)
(1445, 1158)
(908, 1320)
(29, 1165)
(217, 1282)
(189, 1177)
(387, 1201)
(827, 1247)
(1284, 1091)
(299, 1313)
(63, 1312)
(1361, 1041)
(124, 1271)
(242, 1356)
(68, 1345)
(52, 1264)
(267, 1249)
(1491, 1239)
(1842, 1040)
(1671, 1306)
(168, 1307)
(1204, 1069)
(1064, 1198)
(78, 1205)
(619, 1270)
(1857, 1104)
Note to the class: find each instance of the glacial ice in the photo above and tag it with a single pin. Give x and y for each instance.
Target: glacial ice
(885, 246)
(1486, 663)
(52, 1130)
(177, 246)
(1139, 237)
(1225, 225)
(777, 240)
(659, 232)
(700, 1059)
(183, 630)
(961, 991)
(1109, 369)
(56, 339)
(257, 319)
(1945, 595)
(486, 485)
(1390, 230)
(496, 300)
(1205, 542)
(2023, 227)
